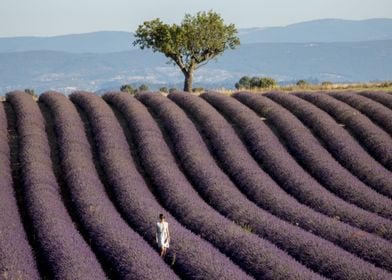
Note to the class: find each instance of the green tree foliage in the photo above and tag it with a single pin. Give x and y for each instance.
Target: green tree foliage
(172, 90)
(255, 82)
(266, 82)
(143, 87)
(163, 89)
(190, 45)
(198, 89)
(129, 89)
(302, 83)
(244, 82)
(326, 83)
(30, 91)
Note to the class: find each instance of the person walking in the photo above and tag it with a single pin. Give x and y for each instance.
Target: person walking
(162, 235)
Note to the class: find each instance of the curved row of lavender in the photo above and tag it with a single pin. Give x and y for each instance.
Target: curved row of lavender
(343, 147)
(381, 97)
(16, 256)
(255, 255)
(194, 257)
(377, 142)
(292, 177)
(60, 245)
(219, 191)
(260, 188)
(116, 244)
(375, 111)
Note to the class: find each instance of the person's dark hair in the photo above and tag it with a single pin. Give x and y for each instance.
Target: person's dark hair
(161, 216)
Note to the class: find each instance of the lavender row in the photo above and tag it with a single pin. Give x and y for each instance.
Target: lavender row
(381, 97)
(338, 143)
(261, 189)
(255, 255)
(17, 259)
(60, 245)
(219, 191)
(291, 176)
(378, 113)
(376, 140)
(193, 257)
(117, 245)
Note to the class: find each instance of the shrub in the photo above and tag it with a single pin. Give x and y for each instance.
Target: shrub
(255, 82)
(129, 89)
(171, 90)
(243, 83)
(143, 88)
(302, 83)
(326, 83)
(164, 89)
(198, 89)
(266, 82)
(30, 92)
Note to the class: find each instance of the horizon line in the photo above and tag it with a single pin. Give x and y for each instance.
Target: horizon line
(239, 28)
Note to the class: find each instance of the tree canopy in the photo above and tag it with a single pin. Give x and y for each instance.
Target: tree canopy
(190, 45)
(255, 82)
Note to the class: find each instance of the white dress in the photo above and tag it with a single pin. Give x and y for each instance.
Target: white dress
(162, 235)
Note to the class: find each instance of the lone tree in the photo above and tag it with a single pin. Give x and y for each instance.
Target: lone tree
(190, 45)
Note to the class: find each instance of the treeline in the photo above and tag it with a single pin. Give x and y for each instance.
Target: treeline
(247, 82)
(144, 88)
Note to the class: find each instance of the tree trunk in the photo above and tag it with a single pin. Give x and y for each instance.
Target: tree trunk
(188, 81)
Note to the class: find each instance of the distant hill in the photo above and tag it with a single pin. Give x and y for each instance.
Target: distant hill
(326, 30)
(95, 42)
(329, 49)
(337, 62)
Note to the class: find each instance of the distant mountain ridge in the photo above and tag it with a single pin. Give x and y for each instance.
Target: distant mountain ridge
(62, 71)
(325, 30)
(349, 51)
(94, 42)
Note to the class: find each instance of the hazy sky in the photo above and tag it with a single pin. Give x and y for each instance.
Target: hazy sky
(55, 17)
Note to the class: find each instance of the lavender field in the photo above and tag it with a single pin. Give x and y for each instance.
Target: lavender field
(254, 186)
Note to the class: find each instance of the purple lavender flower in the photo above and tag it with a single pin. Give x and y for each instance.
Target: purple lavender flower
(295, 180)
(377, 142)
(117, 245)
(16, 256)
(217, 188)
(255, 255)
(379, 96)
(341, 145)
(60, 245)
(191, 256)
(378, 113)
